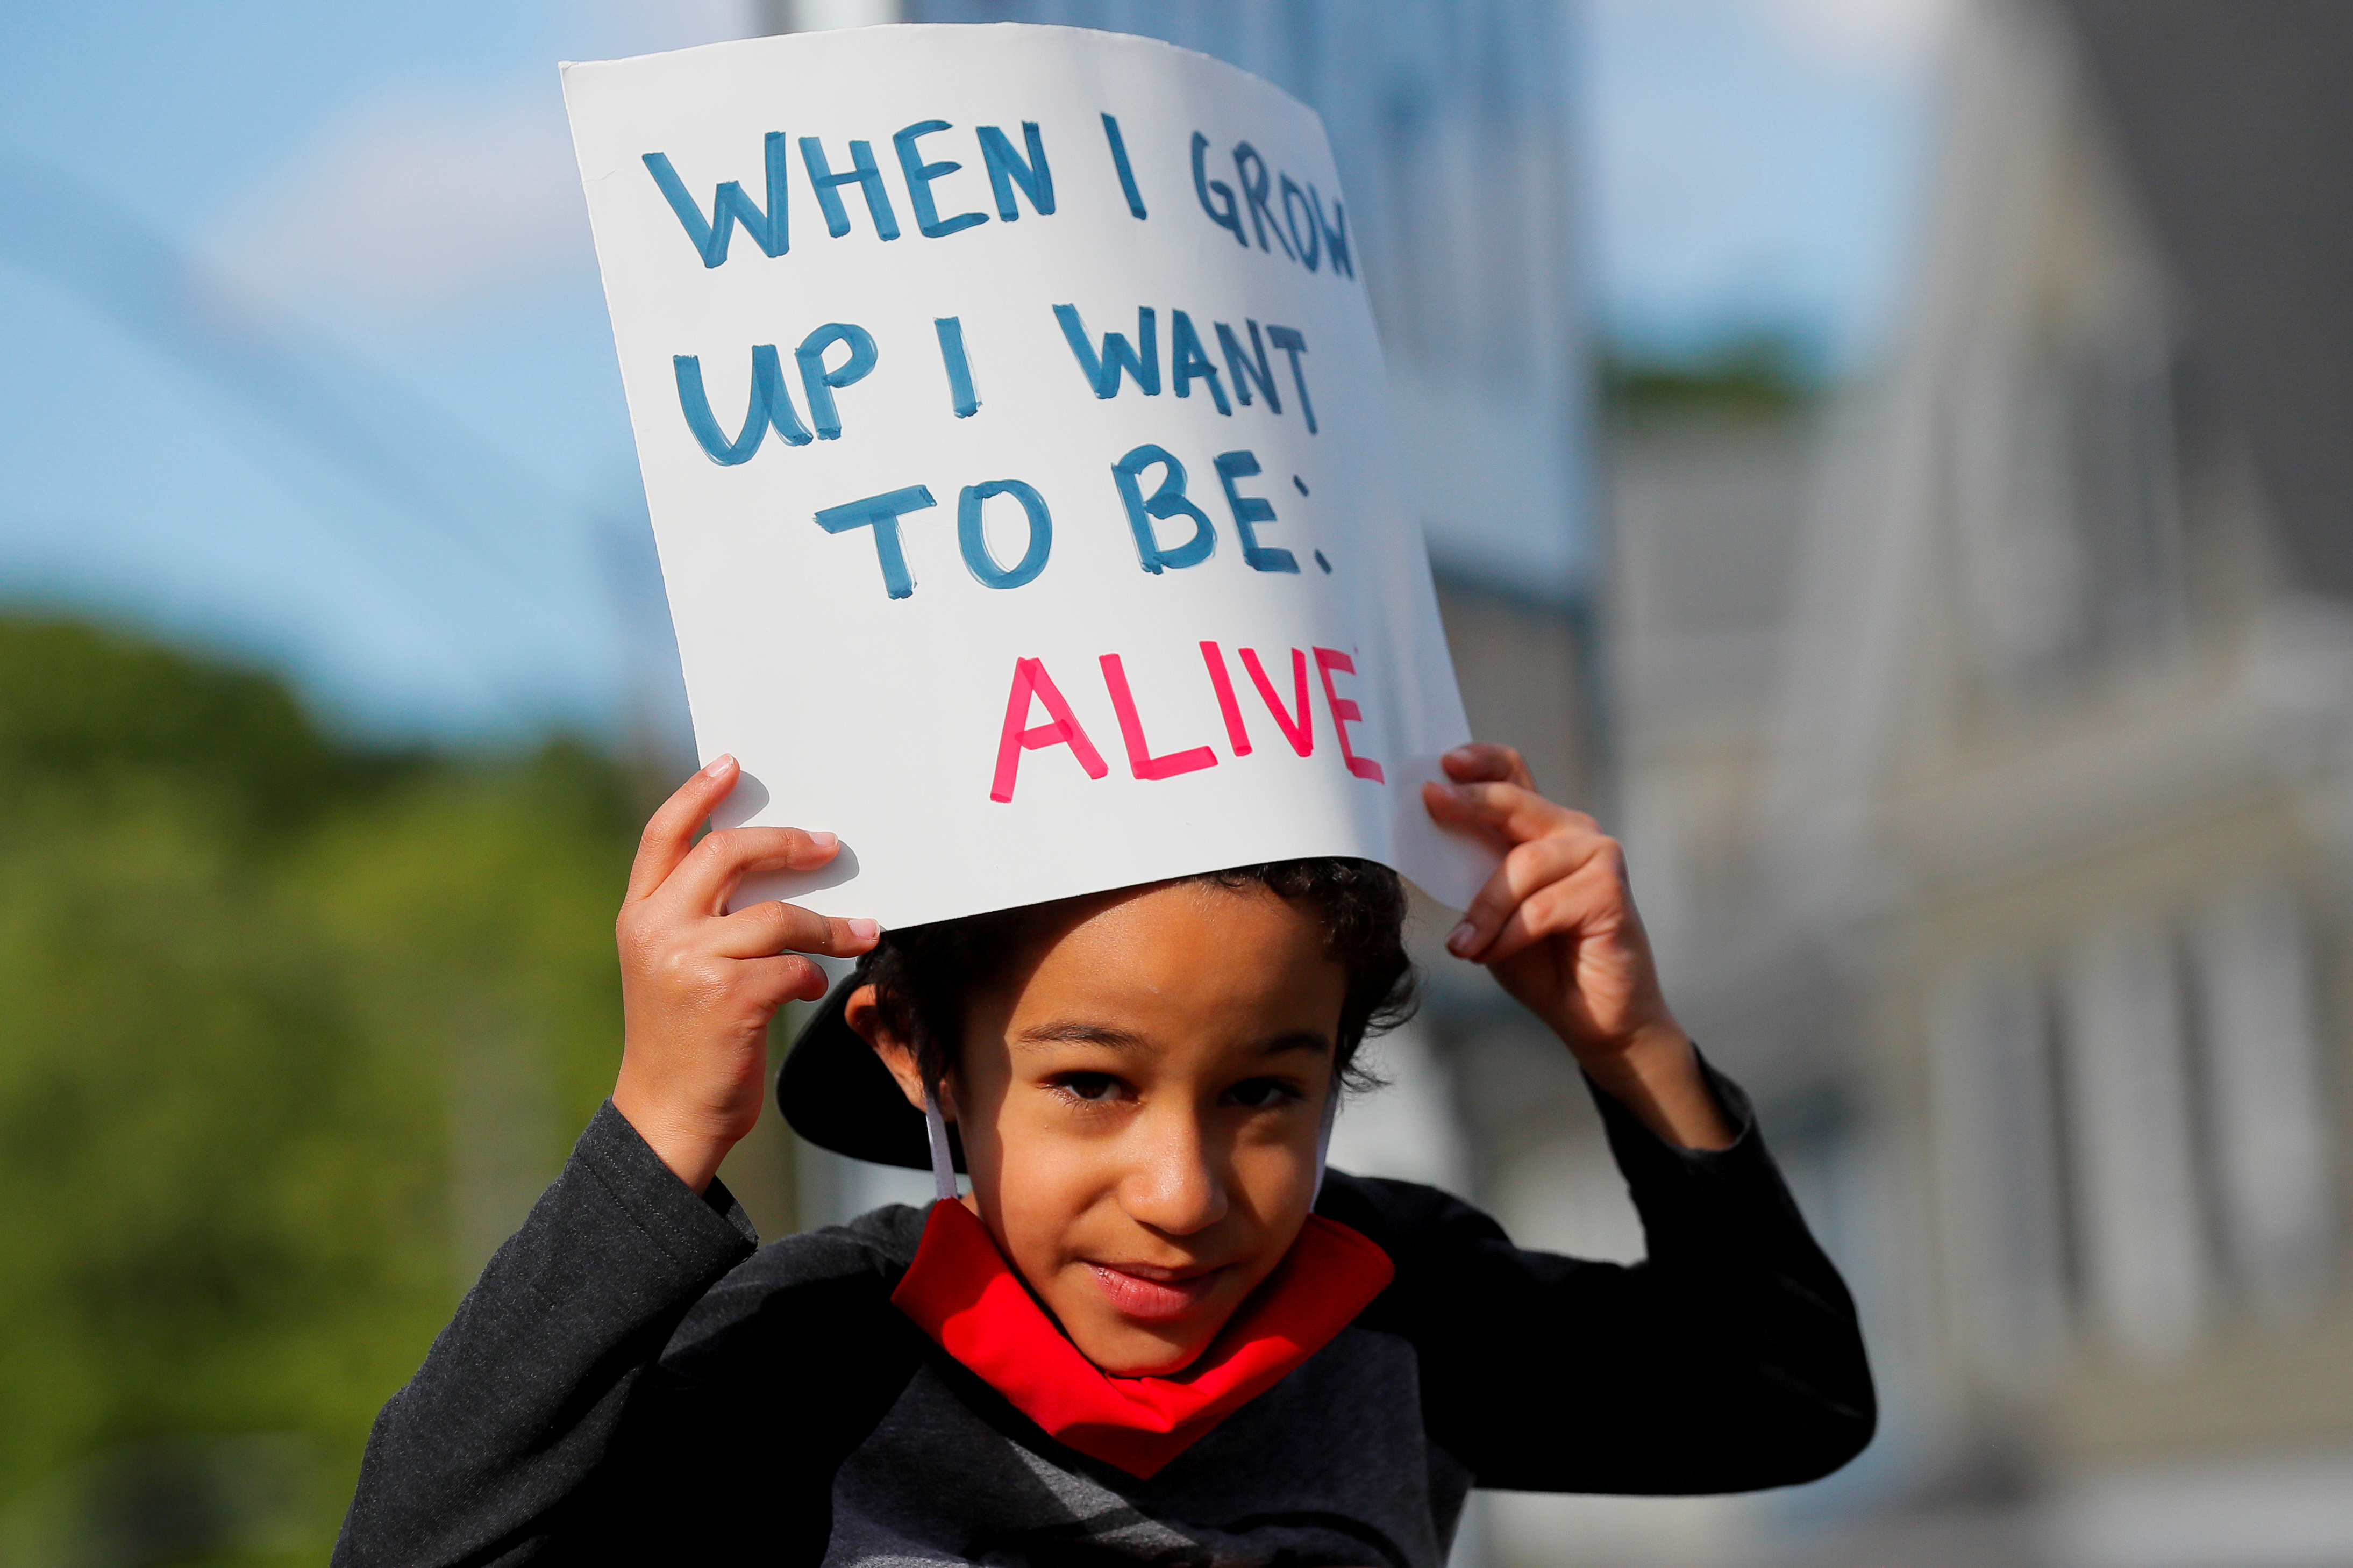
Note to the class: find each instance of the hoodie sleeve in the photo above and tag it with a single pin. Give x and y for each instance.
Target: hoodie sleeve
(523, 1393)
(1729, 1358)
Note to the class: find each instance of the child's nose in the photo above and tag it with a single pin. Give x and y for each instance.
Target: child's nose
(1172, 1185)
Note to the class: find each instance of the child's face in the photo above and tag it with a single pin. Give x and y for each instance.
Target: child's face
(1140, 1110)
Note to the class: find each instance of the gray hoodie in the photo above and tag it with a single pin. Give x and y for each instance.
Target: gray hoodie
(632, 1382)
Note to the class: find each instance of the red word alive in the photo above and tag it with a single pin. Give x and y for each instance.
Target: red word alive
(1294, 720)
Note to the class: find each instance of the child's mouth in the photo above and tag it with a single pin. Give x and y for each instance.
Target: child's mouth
(1138, 1291)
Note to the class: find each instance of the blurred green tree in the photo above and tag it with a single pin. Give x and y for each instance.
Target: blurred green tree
(1755, 374)
(293, 1032)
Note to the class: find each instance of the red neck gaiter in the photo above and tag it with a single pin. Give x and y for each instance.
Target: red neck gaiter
(960, 1290)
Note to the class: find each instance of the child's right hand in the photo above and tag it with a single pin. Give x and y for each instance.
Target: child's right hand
(1557, 926)
(699, 985)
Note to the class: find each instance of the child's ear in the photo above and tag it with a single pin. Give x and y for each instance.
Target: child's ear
(868, 1021)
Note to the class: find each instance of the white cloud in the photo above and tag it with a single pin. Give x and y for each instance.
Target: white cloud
(607, 29)
(1875, 36)
(417, 202)
(428, 200)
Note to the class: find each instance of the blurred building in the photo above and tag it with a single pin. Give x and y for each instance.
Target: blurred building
(1995, 821)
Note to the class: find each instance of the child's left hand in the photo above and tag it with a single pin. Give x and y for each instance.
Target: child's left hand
(1557, 926)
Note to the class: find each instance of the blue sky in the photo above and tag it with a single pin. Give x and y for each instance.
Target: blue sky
(1756, 165)
(388, 454)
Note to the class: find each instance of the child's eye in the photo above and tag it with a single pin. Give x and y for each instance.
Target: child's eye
(1094, 1088)
(1261, 1094)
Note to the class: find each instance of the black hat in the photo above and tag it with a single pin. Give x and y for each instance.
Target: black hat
(836, 1092)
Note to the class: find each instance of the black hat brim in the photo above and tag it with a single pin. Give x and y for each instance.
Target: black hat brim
(836, 1092)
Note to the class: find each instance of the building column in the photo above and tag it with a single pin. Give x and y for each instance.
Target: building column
(2134, 1159)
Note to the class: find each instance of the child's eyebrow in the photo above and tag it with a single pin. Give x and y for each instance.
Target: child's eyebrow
(1077, 1033)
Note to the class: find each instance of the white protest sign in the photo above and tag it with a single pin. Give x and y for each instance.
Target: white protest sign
(1018, 452)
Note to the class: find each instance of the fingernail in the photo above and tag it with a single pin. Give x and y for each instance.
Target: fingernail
(864, 929)
(1459, 939)
(719, 764)
(824, 841)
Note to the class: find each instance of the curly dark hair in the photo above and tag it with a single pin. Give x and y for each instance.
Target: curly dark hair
(923, 975)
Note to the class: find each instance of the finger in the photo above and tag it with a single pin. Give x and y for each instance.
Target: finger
(1510, 813)
(1586, 907)
(787, 978)
(769, 928)
(711, 870)
(669, 832)
(1525, 871)
(1482, 761)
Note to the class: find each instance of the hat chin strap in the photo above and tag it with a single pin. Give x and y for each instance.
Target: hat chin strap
(942, 1163)
(1324, 1137)
(943, 1183)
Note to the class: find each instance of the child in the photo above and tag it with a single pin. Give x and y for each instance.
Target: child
(1154, 1332)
